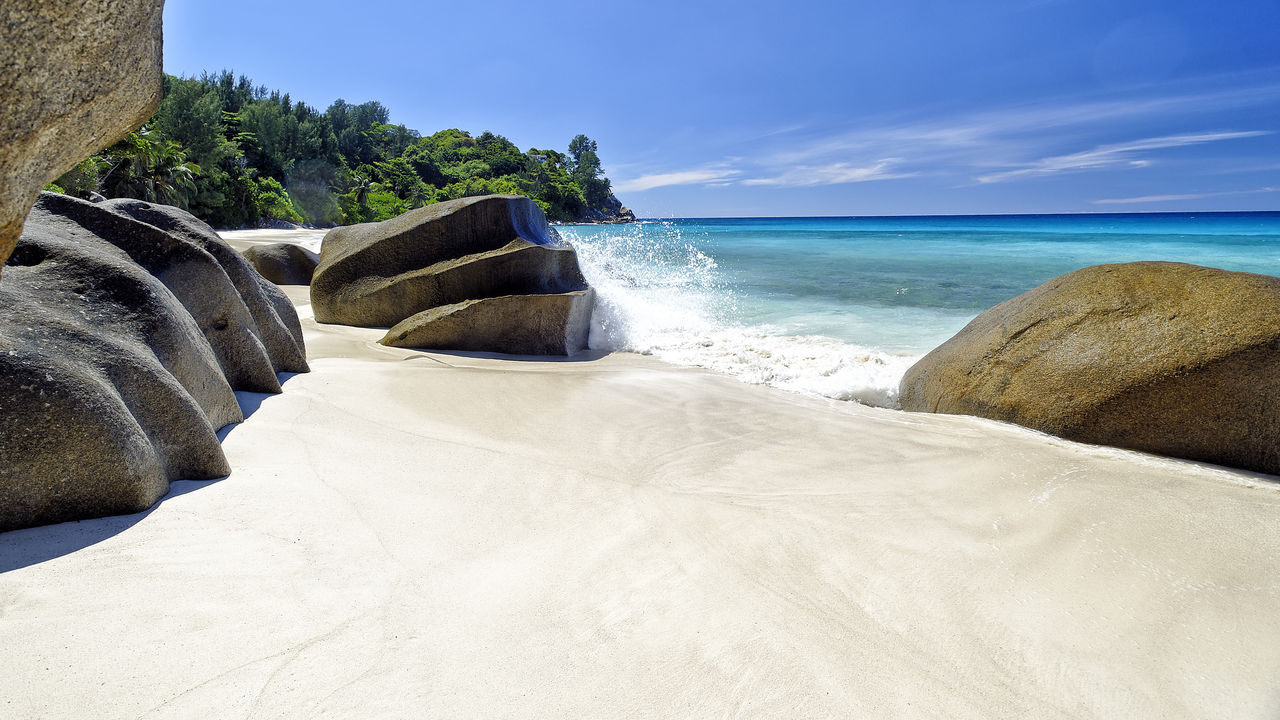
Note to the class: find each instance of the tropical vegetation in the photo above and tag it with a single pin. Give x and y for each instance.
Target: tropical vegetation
(234, 154)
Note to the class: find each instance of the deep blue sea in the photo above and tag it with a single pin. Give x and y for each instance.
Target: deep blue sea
(841, 307)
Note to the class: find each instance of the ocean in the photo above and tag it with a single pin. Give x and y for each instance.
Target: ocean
(841, 307)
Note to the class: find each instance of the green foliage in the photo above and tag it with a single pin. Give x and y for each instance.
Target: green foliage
(83, 178)
(273, 201)
(232, 153)
(310, 183)
(581, 145)
(587, 173)
(149, 168)
(479, 186)
(384, 205)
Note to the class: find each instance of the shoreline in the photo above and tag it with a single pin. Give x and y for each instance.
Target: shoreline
(409, 532)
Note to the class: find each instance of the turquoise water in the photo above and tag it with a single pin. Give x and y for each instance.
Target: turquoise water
(842, 306)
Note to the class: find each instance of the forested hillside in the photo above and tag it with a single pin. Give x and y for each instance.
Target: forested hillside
(234, 153)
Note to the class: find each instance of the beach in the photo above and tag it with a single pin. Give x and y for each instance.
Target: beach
(420, 534)
(840, 307)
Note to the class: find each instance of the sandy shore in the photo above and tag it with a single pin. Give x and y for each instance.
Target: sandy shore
(411, 534)
(243, 239)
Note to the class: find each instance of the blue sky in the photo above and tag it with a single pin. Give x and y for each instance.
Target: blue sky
(809, 108)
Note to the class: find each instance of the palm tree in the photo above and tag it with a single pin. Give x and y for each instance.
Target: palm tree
(152, 170)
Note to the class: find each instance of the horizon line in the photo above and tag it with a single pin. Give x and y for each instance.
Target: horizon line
(953, 215)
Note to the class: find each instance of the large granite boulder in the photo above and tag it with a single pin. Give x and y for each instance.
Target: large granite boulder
(1169, 358)
(431, 266)
(77, 76)
(283, 263)
(551, 324)
(127, 329)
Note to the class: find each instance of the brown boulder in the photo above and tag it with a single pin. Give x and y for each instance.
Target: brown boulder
(77, 77)
(452, 254)
(283, 263)
(518, 268)
(1168, 358)
(515, 324)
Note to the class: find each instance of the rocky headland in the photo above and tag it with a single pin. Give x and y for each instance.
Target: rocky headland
(613, 213)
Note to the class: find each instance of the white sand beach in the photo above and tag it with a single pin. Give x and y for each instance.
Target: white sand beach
(410, 534)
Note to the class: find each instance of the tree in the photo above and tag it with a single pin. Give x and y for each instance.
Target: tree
(310, 183)
(231, 153)
(84, 178)
(149, 168)
(587, 172)
(580, 145)
(273, 201)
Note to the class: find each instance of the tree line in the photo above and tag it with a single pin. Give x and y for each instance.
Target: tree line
(233, 153)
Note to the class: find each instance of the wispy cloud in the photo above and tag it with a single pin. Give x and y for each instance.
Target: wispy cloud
(831, 174)
(699, 176)
(994, 145)
(1026, 139)
(1114, 154)
(1173, 198)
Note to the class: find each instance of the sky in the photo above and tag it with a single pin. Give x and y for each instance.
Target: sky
(704, 108)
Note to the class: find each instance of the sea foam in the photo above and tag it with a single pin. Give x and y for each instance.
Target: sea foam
(659, 293)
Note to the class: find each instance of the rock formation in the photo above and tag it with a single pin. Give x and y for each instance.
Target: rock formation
(283, 263)
(555, 324)
(479, 273)
(1167, 358)
(77, 77)
(127, 328)
(613, 213)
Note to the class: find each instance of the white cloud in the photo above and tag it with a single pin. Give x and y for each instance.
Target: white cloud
(698, 176)
(988, 146)
(1014, 138)
(831, 174)
(1114, 154)
(1171, 198)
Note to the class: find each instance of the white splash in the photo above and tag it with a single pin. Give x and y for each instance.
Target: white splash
(658, 293)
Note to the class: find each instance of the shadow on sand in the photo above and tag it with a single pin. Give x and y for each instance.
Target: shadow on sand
(31, 546)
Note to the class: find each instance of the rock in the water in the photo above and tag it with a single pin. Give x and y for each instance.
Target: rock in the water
(1168, 358)
(283, 263)
(515, 324)
(450, 254)
(121, 347)
(77, 77)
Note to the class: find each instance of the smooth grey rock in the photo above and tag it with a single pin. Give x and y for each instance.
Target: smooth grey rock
(283, 263)
(120, 350)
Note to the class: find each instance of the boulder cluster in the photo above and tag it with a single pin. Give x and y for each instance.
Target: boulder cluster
(127, 329)
(480, 273)
(1168, 358)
